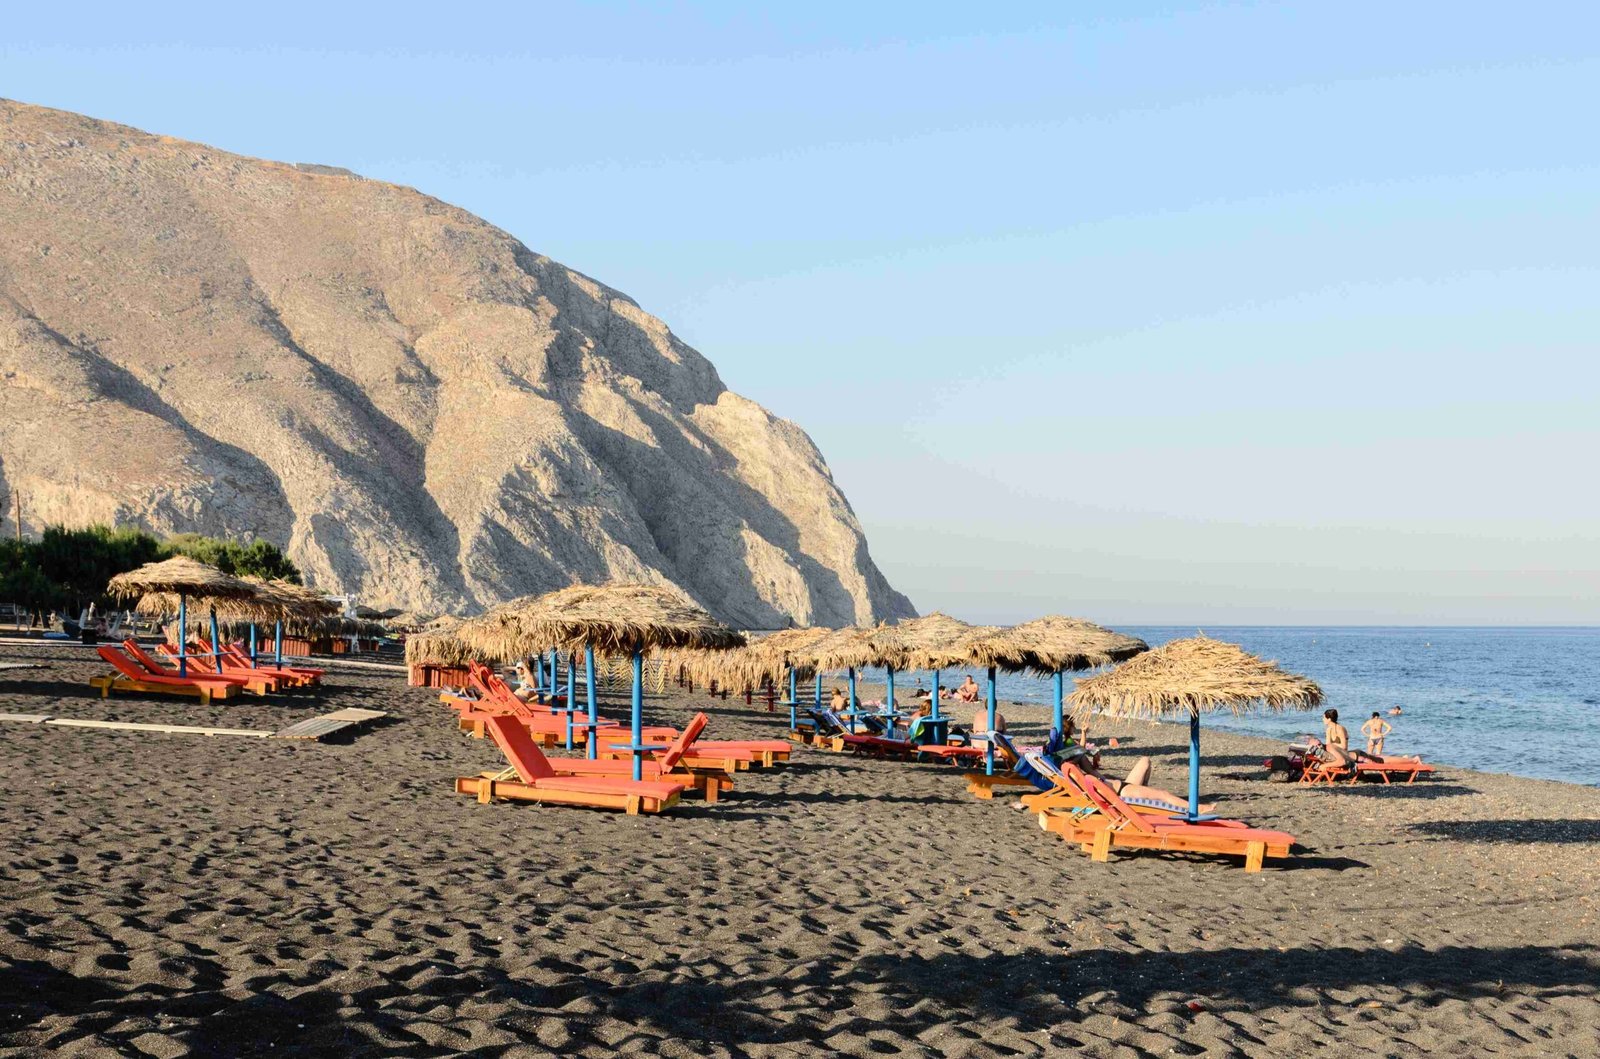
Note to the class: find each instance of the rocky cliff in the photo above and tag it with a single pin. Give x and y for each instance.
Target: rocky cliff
(414, 405)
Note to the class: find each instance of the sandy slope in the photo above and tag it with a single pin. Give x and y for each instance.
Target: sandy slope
(179, 895)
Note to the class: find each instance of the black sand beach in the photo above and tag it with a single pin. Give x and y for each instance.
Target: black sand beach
(172, 895)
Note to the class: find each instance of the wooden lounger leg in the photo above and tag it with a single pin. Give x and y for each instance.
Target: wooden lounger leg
(1254, 853)
(1101, 850)
(485, 792)
(633, 805)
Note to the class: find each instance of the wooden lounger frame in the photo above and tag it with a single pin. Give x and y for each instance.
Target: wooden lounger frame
(486, 789)
(1115, 823)
(116, 682)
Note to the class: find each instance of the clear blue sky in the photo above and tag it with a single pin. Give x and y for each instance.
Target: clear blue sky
(1199, 313)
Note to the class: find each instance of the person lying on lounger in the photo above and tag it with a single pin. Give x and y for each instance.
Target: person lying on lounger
(1136, 784)
(1347, 758)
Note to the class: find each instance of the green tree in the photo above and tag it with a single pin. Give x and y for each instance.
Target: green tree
(21, 580)
(259, 558)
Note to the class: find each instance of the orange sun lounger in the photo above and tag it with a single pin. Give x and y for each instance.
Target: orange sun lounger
(235, 661)
(495, 698)
(668, 765)
(537, 781)
(1068, 796)
(130, 675)
(1116, 824)
(255, 683)
(1323, 770)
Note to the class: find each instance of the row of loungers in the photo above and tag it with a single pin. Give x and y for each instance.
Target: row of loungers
(1084, 809)
(686, 764)
(209, 677)
(826, 729)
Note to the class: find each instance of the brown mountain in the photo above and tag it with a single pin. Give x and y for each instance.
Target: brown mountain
(413, 404)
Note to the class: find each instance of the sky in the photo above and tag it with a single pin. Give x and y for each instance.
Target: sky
(1151, 313)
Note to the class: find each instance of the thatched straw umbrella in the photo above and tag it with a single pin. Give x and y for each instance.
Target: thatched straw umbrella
(179, 577)
(787, 649)
(615, 619)
(297, 606)
(848, 649)
(1191, 676)
(934, 642)
(1054, 644)
(439, 648)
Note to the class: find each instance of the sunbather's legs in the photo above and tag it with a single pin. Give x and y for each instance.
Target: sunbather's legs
(1156, 794)
(1139, 774)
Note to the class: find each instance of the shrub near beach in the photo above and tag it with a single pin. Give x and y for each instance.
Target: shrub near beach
(67, 569)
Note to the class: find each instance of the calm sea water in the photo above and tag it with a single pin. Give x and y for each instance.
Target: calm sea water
(1524, 701)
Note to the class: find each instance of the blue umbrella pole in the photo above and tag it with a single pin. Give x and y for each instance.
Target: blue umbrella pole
(253, 661)
(853, 707)
(933, 701)
(1194, 764)
(988, 751)
(183, 636)
(1057, 716)
(794, 700)
(572, 696)
(277, 642)
(594, 709)
(638, 715)
(888, 698)
(216, 641)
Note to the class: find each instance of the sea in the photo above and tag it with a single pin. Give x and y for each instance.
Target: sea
(1524, 701)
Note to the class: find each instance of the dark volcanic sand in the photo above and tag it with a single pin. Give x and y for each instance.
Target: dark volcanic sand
(171, 895)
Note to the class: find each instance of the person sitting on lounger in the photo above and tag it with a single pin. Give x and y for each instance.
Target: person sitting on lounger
(838, 702)
(1375, 729)
(1333, 733)
(980, 721)
(524, 689)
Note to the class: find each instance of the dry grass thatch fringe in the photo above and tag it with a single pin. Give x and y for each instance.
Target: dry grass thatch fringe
(763, 660)
(1196, 675)
(613, 619)
(437, 649)
(1050, 644)
(194, 579)
(841, 649)
(934, 641)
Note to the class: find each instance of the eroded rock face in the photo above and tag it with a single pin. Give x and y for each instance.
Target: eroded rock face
(409, 401)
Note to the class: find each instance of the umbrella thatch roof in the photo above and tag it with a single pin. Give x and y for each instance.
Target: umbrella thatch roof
(411, 621)
(758, 662)
(934, 641)
(1193, 676)
(180, 574)
(1054, 643)
(437, 649)
(841, 649)
(291, 600)
(613, 619)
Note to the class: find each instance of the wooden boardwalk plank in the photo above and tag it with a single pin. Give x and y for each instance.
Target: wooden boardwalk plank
(316, 728)
(177, 729)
